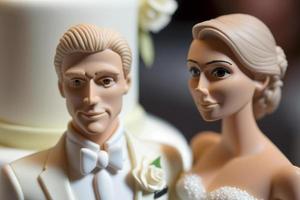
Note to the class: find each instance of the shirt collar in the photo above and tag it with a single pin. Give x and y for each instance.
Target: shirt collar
(75, 141)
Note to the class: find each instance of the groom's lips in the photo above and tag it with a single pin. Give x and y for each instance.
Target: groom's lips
(91, 115)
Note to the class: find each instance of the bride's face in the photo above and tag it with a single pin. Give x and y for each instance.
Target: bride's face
(217, 84)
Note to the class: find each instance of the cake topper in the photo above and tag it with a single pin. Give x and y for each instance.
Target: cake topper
(236, 76)
(95, 158)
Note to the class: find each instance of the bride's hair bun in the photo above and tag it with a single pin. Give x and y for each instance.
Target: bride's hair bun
(282, 62)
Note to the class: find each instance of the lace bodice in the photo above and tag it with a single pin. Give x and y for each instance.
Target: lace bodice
(190, 187)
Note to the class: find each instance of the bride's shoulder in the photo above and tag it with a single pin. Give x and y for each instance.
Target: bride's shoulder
(286, 183)
(203, 141)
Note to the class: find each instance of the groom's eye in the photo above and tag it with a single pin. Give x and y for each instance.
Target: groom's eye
(77, 83)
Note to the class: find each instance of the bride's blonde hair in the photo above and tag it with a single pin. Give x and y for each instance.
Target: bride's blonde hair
(254, 46)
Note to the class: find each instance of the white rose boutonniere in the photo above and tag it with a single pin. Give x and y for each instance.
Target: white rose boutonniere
(150, 176)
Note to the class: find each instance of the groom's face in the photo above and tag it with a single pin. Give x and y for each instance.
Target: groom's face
(93, 85)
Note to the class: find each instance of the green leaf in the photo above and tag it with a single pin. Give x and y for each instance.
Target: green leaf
(146, 48)
(156, 162)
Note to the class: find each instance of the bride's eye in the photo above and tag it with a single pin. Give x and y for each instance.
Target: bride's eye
(220, 72)
(195, 72)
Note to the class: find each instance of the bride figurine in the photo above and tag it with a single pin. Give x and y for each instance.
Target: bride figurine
(236, 75)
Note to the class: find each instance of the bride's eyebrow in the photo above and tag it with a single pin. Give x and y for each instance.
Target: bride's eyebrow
(217, 61)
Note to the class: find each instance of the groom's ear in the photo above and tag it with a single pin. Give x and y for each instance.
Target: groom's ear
(61, 89)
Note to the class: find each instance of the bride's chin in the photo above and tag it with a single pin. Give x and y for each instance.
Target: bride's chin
(209, 117)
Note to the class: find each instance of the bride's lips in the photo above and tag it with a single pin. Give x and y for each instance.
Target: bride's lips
(207, 106)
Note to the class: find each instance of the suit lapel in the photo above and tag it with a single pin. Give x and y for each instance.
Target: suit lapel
(54, 178)
(136, 153)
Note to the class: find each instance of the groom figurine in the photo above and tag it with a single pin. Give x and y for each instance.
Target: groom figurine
(95, 158)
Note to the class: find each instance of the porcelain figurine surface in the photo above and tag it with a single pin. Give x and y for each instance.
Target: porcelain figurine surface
(95, 158)
(236, 76)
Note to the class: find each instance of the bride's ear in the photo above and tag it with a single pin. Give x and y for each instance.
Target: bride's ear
(260, 85)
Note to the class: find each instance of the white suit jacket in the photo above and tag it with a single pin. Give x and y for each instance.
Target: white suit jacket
(44, 175)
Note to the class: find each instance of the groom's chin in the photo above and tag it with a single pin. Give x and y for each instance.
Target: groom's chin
(96, 128)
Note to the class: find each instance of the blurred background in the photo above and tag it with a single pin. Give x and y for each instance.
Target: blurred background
(163, 88)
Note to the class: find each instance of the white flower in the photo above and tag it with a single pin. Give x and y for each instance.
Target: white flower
(150, 177)
(156, 14)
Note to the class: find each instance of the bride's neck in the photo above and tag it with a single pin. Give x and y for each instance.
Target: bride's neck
(240, 133)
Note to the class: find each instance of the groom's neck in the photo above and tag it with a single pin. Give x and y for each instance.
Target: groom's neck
(101, 137)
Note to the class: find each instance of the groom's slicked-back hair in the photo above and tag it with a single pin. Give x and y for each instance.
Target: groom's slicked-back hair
(85, 38)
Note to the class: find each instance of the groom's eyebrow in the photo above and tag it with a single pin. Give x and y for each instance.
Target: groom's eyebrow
(110, 72)
(75, 74)
(193, 61)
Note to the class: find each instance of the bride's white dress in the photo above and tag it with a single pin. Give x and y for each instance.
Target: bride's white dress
(190, 187)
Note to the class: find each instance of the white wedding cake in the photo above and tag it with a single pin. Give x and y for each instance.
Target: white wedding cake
(32, 113)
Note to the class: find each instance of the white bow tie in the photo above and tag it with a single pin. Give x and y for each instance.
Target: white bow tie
(89, 160)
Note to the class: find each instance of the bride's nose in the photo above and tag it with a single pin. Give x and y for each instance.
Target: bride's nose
(203, 84)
